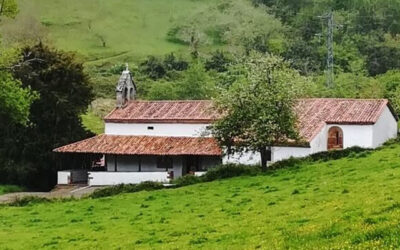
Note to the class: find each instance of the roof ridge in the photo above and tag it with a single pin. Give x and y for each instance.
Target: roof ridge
(344, 99)
(169, 101)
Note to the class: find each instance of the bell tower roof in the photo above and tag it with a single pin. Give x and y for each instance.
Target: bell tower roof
(126, 88)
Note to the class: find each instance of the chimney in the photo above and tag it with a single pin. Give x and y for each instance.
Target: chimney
(126, 88)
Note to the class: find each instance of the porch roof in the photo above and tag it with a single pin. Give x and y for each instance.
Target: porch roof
(144, 145)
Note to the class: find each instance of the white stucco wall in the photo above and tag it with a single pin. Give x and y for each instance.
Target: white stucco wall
(282, 153)
(277, 154)
(159, 129)
(114, 178)
(353, 135)
(246, 158)
(63, 177)
(385, 128)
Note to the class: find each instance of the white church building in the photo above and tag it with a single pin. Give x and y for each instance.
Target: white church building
(160, 140)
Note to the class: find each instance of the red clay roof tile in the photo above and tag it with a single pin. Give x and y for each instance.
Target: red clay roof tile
(313, 114)
(164, 112)
(144, 145)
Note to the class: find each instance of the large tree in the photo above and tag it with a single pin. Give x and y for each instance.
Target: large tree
(15, 100)
(258, 107)
(65, 93)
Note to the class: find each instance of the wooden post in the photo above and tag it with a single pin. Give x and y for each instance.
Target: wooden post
(115, 163)
(140, 163)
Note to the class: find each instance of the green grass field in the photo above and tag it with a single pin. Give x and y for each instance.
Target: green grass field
(4, 189)
(131, 29)
(93, 123)
(348, 203)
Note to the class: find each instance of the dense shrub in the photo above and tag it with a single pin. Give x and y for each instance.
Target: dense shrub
(126, 188)
(4, 189)
(28, 200)
(218, 62)
(322, 156)
(229, 171)
(186, 180)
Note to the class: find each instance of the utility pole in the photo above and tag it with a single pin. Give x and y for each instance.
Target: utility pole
(329, 45)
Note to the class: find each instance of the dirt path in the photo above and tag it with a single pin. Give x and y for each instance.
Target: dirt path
(76, 191)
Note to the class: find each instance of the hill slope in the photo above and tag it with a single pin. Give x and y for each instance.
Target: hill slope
(133, 28)
(351, 202)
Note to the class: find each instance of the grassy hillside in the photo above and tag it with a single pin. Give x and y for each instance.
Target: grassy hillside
(352, 202)
(130, 29)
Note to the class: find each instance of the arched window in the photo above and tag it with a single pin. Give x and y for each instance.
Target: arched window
(335, 138)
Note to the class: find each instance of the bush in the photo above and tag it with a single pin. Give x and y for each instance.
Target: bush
(229, 171)
(186, 180)
(28, 200)
(126, 188)
(4, 189)
(354, 152)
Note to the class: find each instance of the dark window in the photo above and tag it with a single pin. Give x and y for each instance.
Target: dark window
(150, 128)
(164, 162)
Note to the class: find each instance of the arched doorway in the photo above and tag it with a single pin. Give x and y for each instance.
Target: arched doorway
(335, 138)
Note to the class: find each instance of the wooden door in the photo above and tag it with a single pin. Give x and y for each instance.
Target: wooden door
(335, 138)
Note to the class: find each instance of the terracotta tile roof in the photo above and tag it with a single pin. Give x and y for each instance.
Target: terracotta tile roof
(313, 114)
(164, 112)
(144, 145)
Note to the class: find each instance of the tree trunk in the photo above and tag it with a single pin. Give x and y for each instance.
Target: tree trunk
(263, 152)
(2, 7)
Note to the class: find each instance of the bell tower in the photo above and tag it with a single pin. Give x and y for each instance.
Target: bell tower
(126, 88)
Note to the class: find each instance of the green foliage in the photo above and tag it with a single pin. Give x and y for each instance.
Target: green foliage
(195, 83)
(218, 62)
(5, 189)
(349, 85)
(258, 107)
(229, 171)
(218, 173)
(65, 93)
(28, 201)
(8, 8)
(156, 68)
(353, 152)
(15, 101)
(93, 123)
(161, 90)
(391, 83)
(235, 23)
(186, 180)
(126, 188)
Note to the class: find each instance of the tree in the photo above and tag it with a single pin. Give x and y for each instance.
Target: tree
(391, 83)
(218, 62)
(195, 83)
(15, 100)
(258, 107)
(65, 93)
(8, 8)
(238, 24)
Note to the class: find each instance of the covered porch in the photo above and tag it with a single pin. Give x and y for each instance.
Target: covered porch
(135, 159)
